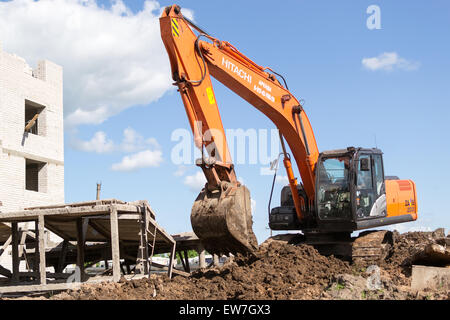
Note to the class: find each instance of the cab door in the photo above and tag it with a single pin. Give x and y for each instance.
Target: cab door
(370, 187)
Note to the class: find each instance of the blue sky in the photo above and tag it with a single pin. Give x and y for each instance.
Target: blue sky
(319, 47)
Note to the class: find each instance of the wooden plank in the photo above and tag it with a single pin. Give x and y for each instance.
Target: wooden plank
(29, 215)
(23, 236)
(183, 262)
(42, 263)
(166, 236)
(85, 227)
(215, 260)
(144, 204)
(80, 247)
(115, 249)
(36, 288)
(186, 259)
(62, 256)
(5, 272)
(171, 259)
(142, 257)
(120, 216)
(79, 204)
(61, 286)
(31, 122)
(54, 275)
(97, 227)
(5, 245)
(36, 266)
(57, 231)
(15, 251)
(174, 271)
(201, 258)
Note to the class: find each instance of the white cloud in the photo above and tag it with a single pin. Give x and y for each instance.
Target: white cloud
(112, 58)
(389, 61)
(131, 142)
(195, 182)
(99, 144)
(180, 171)
(188, 13)
(283, 180)
(253, 205)
(143, 159)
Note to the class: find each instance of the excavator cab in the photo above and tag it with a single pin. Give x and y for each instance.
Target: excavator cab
(350, 188)
(350, 194)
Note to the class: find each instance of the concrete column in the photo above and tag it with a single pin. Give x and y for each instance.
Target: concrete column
(216, 260)
(201, 258)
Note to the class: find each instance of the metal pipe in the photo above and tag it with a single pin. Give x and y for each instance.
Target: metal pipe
(99, 187)
(292, 181)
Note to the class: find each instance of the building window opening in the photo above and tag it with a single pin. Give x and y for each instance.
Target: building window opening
(35, 174)
(33, 118)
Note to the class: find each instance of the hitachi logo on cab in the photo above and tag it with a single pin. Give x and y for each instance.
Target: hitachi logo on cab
(232, 67)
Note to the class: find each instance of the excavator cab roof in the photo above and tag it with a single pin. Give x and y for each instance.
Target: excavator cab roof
(350, 151)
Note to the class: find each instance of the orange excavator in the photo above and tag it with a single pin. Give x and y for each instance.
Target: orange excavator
(341, 191)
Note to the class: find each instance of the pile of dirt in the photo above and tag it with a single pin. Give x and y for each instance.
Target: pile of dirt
(406, 246)
(280, 270)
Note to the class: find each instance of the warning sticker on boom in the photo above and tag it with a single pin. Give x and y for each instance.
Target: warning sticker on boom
(210, 94)
(175, 28)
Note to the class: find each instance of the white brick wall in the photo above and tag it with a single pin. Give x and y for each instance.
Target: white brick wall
(43, 86)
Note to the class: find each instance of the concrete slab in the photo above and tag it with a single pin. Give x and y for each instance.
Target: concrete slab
(434, 278)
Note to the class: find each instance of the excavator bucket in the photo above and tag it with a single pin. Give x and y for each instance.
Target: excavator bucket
(222, 220)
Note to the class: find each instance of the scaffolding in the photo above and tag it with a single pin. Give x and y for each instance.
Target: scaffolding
(124, 232)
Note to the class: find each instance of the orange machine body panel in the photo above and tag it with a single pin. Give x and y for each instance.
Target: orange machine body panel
(401, 198)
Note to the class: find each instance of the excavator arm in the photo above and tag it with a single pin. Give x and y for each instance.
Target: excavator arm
(221, 215)
(194, 59)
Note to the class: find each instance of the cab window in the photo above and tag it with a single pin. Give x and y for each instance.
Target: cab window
(364, 174)
(378, 174)
(370, 194)
(334, 188)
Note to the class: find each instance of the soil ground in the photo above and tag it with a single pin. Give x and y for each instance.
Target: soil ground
(279, 271)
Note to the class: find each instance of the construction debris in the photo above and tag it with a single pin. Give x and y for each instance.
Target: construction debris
(430, 278)
(434, 254)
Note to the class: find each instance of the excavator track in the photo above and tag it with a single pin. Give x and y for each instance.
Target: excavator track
(372, 247)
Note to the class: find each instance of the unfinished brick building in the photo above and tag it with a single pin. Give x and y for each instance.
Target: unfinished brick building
(31, 133)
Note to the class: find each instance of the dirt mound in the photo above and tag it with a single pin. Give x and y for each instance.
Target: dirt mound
(406, 246)
(278, 271)
(356, 287)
